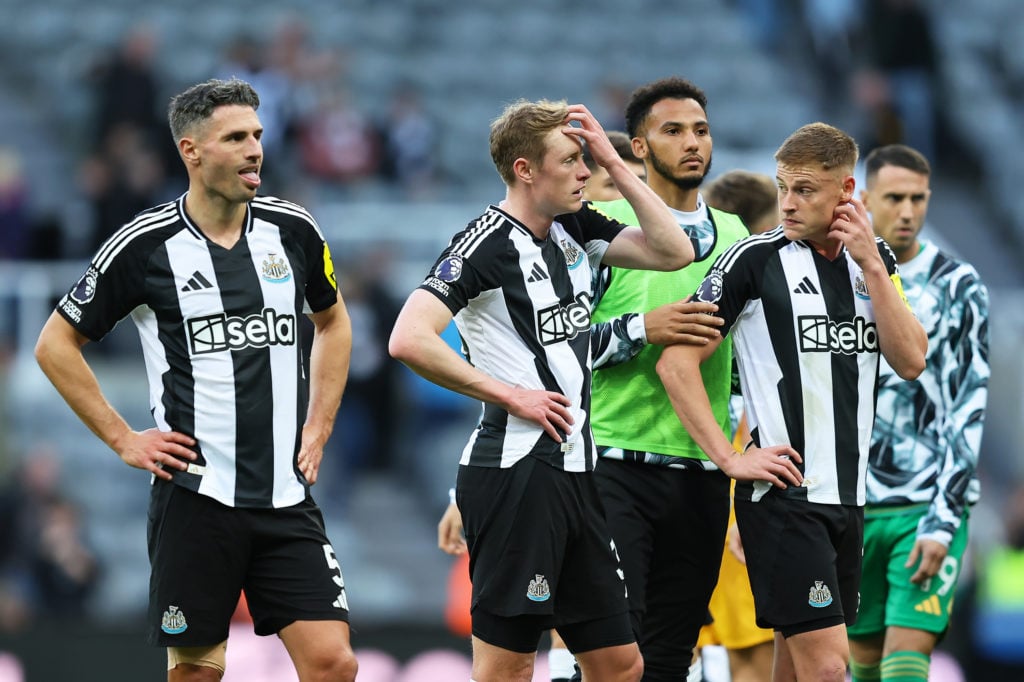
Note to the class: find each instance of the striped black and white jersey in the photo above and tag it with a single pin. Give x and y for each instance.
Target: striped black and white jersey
(522, 307)
(220, 333)
(806, 342)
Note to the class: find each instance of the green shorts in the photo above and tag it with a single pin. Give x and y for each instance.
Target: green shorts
(887, 597)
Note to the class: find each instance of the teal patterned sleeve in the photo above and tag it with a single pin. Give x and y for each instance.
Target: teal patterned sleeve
(962, 375)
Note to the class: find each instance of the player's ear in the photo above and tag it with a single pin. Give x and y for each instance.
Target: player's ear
(523, 170)
(189, 150)
(849, 184)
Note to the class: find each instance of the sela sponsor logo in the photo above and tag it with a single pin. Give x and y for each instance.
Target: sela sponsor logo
(215, 333)
(819, 595)
(85, 289)
(559, 323)
(173, 622)
(538, 589)
(819, 334)
(275, 269)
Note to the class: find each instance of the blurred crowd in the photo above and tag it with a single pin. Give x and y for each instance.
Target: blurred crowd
(874, 63)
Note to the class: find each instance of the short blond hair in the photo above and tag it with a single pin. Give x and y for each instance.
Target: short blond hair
(819, 144)
(520, 131)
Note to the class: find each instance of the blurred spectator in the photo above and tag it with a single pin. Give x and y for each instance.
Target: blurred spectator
(365, 433)
(126, 87)
(898, 84)
(337, 142)
(250, 59)
(123, 177)
(832, 26)
(46, 568)
(409, 138)
(14, 217)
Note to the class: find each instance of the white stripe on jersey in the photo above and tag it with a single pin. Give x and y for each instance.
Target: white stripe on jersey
(513, 365)
(266, 238)
(213, 372)
(559, 357)
(820, 473)
(116, 243)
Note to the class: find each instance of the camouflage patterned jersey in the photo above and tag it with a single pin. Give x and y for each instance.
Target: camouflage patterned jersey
(927, 432)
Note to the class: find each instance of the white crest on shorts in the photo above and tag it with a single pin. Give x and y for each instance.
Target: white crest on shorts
(173, 622)
(820, 596)
(538, 589)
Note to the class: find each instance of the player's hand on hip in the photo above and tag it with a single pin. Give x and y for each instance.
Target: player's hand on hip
(308, 461)
(775, 464)
(931, 554)
(690, 322)
(547, 409)
(449, 531)
(157, 451)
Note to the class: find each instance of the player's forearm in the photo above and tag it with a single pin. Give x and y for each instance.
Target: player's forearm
(329, 360)
(901, 338)
(61, 360)
(617, 341)
(666, 244)
(680, 374)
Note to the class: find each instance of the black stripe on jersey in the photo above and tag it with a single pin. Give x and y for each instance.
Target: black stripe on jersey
(145, 222)
(837, 293)
(475, 234)
(179, 388)
(254, 409)
(731, 254)
(779, 316)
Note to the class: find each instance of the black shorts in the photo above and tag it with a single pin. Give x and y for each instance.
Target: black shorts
(803, 560)
(203, 553)
(539, 547)
(670, 527)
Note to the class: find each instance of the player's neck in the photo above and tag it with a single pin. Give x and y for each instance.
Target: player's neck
(537, 221)
(910, 253)
(673, 195)
(219, 220)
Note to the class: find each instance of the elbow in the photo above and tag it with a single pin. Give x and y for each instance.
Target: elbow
(663, 367)
(911, 369)
(403, 347)
(676, 260)
(398, 347)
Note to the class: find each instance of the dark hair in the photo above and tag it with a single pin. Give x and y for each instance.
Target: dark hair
(643, 99)
(623, 145)
(751, 196)
(899, 155)
(196, 104)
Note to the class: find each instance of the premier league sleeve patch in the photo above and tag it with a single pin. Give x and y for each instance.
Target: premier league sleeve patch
(449, 269)
(710, 290)
(86, 287)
